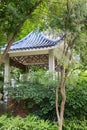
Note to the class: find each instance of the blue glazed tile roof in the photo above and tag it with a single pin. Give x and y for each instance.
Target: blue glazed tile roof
(34, 41)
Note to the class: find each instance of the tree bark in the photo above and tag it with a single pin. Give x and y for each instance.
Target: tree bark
(7, 48)
(60, 115)
(62, 83)
(63, 95)
(57, 111)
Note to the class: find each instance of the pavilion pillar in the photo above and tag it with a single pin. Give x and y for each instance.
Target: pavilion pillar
(51, 61)
(6, 77)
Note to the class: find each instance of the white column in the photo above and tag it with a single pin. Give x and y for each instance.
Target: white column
(51, 61)
(7, 70)
(6, 77)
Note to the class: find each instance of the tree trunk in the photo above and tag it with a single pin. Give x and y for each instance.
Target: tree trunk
(60, 125)
(63, 95)
(57, 111)
(60, 113)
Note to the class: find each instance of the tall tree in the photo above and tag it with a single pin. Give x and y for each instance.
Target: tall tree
(68, 17)
(13, 14)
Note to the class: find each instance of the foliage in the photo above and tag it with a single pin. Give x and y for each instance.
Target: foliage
(67, 11)
(69, 17)
(15, 73)
(36, 22)
(28, 123)
(76, 103)
(1, 86)
(76, 91)
(33, 123)
(39, 96)
(20, 17)
(13, 15)
(13, 12)
(75, 125)
(83, 56)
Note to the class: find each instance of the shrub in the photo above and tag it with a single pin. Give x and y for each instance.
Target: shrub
(76, 103)
(28, 123)
(34, 123)
(75, 125)
(39, 98)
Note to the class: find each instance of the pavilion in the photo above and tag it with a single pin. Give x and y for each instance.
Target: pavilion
(34, 49)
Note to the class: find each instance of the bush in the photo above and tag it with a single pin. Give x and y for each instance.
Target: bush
(39, 98)
(34, 123)
(75, 125)
(28, 123)
(76, 103)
